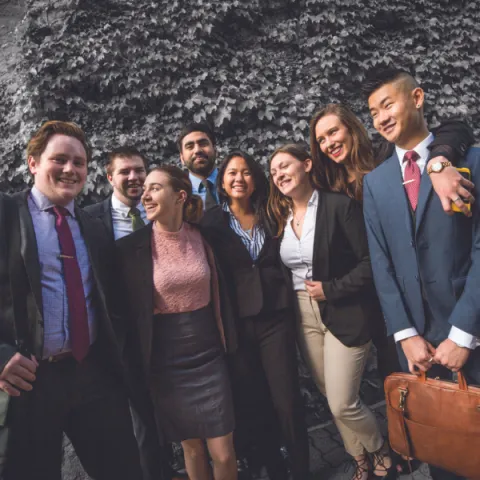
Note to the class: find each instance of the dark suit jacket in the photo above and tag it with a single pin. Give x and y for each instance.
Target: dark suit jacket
(342, 263)
(20, 282)
(253, 286)
(103, 211)
(134, 253)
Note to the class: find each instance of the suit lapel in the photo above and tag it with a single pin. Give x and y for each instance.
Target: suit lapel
(423, 198)
(28, 248)
(321, 244)
(395, 192)
(107, 216)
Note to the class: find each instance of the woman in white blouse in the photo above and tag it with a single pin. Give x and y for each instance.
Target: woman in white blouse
(323, 243)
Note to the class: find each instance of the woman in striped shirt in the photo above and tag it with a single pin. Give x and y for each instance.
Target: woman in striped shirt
(264, 368)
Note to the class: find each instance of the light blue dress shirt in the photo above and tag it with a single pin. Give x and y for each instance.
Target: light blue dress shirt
(198, 187)
(253, 239)
(54, 294)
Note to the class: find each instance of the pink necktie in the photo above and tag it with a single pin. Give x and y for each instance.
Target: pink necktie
(412, 177)
(77, 305)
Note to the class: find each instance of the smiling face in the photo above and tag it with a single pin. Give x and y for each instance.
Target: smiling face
(290, 175)
(333, 138)
(198, 154)
(127, 177)
(60, 171)
(238, 180)
(159, 199)
(397, 114)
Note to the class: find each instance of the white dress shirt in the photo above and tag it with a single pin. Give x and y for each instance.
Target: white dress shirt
(458, 336)
(297, 254)
(122, 223)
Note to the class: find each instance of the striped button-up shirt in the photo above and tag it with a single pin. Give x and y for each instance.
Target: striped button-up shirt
(253, 239)
(54, 294)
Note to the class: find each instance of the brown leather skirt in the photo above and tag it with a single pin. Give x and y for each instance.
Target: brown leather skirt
(189, 381)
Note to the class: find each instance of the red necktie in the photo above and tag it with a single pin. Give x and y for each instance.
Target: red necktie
(412, 177)
(77, 305)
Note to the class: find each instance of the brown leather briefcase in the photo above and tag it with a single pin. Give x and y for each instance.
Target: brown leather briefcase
(435, 421)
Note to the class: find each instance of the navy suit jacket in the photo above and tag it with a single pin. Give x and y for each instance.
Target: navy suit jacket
(443, 252)
(103, 211)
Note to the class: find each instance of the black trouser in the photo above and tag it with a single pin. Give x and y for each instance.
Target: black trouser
(266, 356)
(89, 404)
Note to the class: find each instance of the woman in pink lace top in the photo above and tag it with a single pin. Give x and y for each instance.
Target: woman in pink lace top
(182, 323)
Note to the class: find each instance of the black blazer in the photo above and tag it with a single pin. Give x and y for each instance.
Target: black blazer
(20, 282)
(257, 286)
(103, 211)
(341, 262)
(134, 253)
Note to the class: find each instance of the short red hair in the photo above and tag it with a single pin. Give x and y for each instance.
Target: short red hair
(39, 140)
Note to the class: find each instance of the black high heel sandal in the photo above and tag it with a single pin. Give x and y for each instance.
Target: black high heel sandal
(361, 467)
(378, 462)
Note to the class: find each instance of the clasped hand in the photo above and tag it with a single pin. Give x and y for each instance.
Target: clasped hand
(315, 290)
(421, 355)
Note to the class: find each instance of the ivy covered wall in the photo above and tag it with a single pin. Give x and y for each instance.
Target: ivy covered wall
(133, 71)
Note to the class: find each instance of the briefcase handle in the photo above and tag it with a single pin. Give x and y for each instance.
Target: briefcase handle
(462, 382)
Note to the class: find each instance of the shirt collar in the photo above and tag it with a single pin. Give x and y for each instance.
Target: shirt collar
(313, 199)
(43, 203)
(123, 209)
(421, 148)
(196, 182)
(313, 202)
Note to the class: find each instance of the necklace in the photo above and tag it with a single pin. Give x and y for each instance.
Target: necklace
(298, 220)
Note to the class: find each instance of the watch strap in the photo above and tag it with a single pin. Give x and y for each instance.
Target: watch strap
(444, 165)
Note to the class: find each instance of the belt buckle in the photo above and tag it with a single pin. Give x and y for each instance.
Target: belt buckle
(59, 357)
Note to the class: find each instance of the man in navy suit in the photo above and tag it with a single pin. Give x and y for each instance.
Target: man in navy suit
(426, 264)
(122, 212)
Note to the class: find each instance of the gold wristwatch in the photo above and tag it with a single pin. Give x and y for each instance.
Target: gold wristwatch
(437, 167)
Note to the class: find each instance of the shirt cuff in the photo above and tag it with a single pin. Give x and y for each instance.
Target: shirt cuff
(403, 334)
(463, 339)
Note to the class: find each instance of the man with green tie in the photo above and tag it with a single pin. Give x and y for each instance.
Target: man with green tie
(122, 212)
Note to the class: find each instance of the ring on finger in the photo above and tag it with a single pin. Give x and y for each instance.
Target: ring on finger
(430, 360)
(456, 199)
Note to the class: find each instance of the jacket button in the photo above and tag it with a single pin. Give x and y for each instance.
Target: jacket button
(412, 243)
(416, 277)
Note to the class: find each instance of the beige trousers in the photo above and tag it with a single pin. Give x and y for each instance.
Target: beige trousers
(337, 371)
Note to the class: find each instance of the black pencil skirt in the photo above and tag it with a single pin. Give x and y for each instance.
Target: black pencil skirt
(189, 381)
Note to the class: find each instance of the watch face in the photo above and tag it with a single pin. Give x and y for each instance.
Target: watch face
(437, 167)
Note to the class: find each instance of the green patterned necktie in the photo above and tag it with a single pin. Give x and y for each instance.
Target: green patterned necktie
(137, 221)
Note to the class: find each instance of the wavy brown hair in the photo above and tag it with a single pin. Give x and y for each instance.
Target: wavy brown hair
(361, 160)
(179, 180)
(279, 205)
